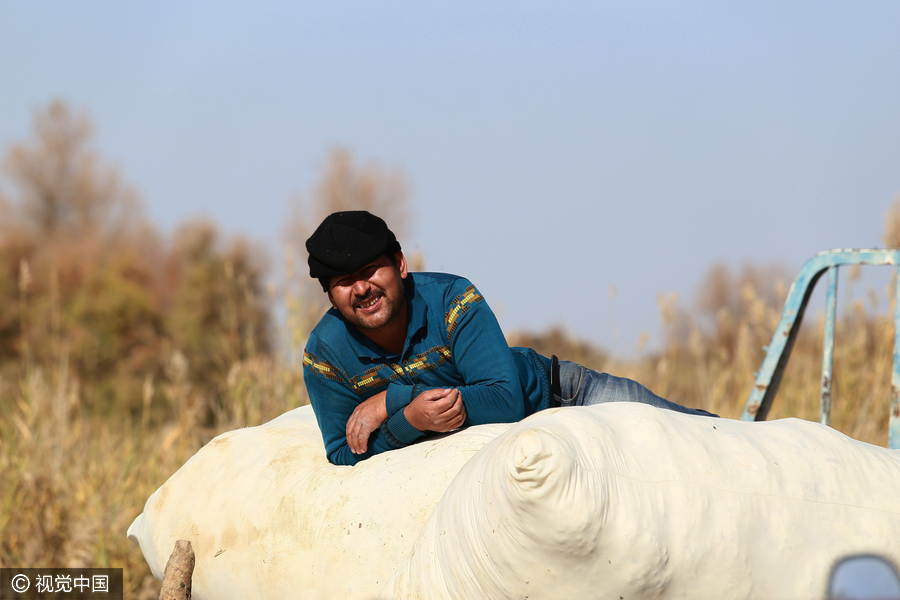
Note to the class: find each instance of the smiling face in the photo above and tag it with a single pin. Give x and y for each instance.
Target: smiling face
(373, 298)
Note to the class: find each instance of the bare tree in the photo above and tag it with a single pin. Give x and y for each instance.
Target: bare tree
(347, 186)
(891, 235)
(65, 188)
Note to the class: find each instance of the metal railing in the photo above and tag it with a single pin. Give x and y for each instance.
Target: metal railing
(779, 350)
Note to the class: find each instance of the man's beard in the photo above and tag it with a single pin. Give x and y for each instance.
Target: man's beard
(386, 312)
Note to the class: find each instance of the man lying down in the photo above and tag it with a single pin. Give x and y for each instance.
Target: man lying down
(401, 354)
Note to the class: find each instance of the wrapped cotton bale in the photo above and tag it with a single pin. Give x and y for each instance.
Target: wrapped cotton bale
(269, 517)
(628, 501)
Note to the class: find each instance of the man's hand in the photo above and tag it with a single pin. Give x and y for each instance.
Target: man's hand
(366, 418)
(436, 410)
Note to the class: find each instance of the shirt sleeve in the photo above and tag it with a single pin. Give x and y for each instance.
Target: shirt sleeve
(333, 401)
(492, 392)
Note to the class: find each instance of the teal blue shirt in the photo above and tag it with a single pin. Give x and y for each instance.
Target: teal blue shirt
(453, 341)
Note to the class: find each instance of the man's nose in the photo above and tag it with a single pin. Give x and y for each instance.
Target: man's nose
(361, 287)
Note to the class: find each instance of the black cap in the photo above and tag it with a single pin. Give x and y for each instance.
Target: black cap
(346, 242)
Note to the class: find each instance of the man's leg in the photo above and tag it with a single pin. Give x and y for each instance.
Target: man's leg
(581, 386)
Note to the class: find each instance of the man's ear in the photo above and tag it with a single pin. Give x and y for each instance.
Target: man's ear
(331, 299)
(401, 264)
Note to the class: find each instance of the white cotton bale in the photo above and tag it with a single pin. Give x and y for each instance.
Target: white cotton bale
(269, 517)
(629, 501)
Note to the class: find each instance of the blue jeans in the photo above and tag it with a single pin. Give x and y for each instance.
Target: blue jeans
(580, 386)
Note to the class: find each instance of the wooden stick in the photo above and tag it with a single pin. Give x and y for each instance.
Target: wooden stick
(176, 583)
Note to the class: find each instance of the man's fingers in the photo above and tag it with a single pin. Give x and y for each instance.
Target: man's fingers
(357, 433)
(453, 411)
(433, 395)
(460, 419)
(354, 427)
(462, 412)
(452, 403)
(357, 442)
(443, 405)
(352, 436)
(366, 418)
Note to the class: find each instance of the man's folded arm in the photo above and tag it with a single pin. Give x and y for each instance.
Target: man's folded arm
(333, 402)
(492, 392)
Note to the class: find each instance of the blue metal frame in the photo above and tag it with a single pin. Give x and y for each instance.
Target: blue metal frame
(828, 346)
(779, 350)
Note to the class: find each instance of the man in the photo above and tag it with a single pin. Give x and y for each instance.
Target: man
(402, 354)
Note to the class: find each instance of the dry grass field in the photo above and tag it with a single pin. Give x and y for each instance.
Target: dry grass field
(72, 483)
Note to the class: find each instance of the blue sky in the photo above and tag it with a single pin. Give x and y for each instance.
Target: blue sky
(554, 149)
